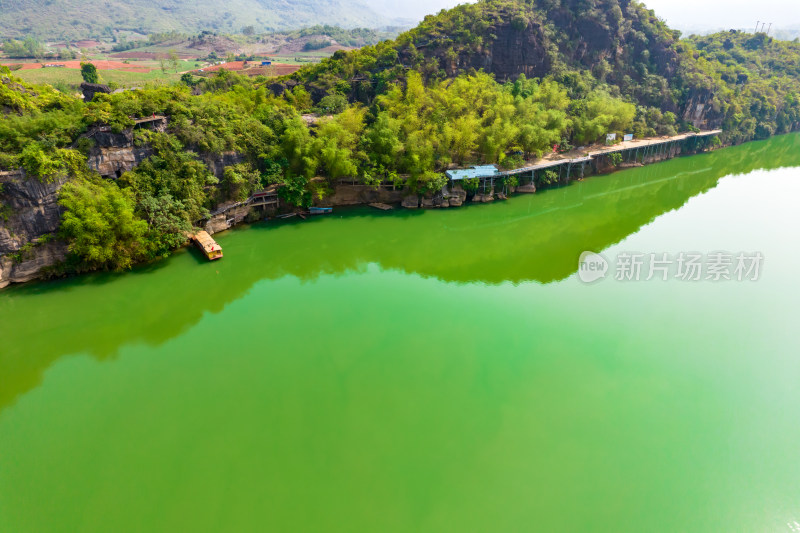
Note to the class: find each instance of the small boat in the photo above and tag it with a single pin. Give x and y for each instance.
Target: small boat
(320, 210)
(287, 215)
(207, 245)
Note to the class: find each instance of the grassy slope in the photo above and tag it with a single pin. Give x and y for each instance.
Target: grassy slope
(73, 76)
(49, 19)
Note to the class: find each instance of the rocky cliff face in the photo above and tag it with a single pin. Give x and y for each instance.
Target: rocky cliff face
(112, 162)
(699, 109)
(514, 50)
(216, 163)
(115, 153)
(30, 217)
(345, 194)
(30, 214)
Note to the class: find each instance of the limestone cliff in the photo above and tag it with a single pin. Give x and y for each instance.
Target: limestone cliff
(29, 217)
(30, 214)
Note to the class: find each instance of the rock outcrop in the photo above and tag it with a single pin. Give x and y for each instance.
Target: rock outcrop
(411, 202)
(29, 217)
(32, 263)
(115, 153)
(456, 196)
(227, 220)
(91, 89)
(216, 163)
(484, 196)
(701, 111)
(112, 162)
(347, 194)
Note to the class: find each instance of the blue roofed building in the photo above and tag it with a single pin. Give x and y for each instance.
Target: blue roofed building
(483, 171)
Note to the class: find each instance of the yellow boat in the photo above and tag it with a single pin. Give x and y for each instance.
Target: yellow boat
(207, 245)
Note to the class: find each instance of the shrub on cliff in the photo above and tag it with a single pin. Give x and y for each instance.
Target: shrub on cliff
(100, 225)
(53, 164)
(173, 171)
(166, 225)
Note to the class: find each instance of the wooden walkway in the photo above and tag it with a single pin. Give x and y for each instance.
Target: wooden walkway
(581, 157)
(267, 197)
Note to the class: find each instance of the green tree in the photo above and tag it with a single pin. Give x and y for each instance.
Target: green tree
(173, 171)
(166, 224)
(239, 181)
(187, 79)
(337, 141)
(332, 104)
(100, 225)
(383, 141)
(600, 114)
(89, 73)
(296, 146)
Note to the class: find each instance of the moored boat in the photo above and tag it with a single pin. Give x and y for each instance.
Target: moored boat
(207, 245)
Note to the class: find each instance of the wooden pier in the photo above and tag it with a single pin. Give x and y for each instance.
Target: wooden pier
(207, 245)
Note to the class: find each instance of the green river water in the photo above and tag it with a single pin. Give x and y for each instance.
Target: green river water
(431, 371)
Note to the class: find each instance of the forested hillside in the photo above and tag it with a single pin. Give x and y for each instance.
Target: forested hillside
(79, 19)
(617, 46)
(756, 79)
(499, 82)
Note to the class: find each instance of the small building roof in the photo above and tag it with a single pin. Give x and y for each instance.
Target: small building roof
(483, 171)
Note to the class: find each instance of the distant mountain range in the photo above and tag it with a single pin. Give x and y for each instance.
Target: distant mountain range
(784, 33)
(78, 19)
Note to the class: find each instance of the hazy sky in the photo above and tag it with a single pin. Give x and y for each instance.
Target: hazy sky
(727, 13)
(678, 13)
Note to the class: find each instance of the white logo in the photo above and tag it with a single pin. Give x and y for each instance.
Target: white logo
(592, 267)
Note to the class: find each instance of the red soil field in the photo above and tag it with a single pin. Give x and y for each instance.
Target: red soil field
(149, 55)
(283, 70)
(254, 68)
(101, 65)
(233, 65)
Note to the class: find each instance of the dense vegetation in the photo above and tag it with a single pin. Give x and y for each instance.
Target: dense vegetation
(755, 79)
(401, 111)
(615, 46)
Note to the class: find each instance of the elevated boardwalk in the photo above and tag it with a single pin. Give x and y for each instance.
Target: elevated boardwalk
(148, 120)
(632, 149)
(155, 123)
(658, 141)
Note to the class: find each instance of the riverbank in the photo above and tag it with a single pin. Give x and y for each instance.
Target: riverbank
(576, 163)
(39, 255)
